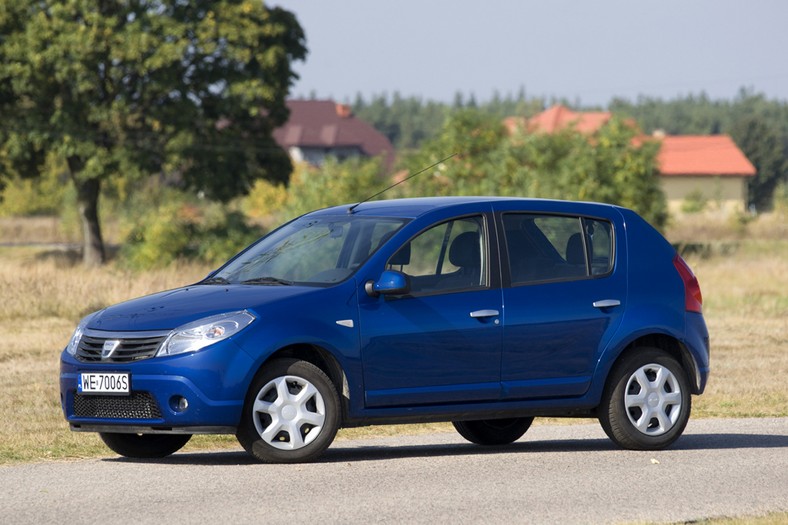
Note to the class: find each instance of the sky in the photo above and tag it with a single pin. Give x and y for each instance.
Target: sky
(583, 51)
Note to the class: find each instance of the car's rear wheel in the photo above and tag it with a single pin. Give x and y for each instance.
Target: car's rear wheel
(291, 413)
(144, 445)
(647, 401)
(493, 431)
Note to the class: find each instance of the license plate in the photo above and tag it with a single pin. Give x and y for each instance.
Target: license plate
(117, 383)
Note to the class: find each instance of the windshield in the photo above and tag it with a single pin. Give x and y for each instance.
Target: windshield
(320, 250)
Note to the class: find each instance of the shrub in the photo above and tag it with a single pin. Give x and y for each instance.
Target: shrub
(694, 202)
(160, 238)
(204, 232)
(44, 195)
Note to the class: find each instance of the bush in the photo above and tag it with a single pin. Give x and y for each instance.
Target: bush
(44, 195)
(310, 188)
(209, 233)
(160, 238)
(694, 202)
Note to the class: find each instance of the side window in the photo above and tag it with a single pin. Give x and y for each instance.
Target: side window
(448, 257)
(551, 247)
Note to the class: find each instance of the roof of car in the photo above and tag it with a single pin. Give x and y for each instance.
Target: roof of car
(415, 207)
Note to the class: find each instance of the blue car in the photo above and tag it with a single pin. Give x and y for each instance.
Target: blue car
(485, 312)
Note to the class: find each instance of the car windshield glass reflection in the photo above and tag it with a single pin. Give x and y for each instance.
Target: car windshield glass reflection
(317, 251)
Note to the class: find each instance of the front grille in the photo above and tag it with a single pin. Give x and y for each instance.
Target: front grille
(129, 348)
(139, 405)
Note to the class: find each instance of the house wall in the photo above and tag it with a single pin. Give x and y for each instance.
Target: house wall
(727, 193)
(316, 156)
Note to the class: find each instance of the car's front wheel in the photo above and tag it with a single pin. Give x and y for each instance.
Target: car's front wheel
(291, 413)
(647, 401)
(493, 431)
(144, 446)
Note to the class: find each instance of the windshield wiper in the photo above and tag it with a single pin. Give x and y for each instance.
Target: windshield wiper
(268, 280)
(215, 280)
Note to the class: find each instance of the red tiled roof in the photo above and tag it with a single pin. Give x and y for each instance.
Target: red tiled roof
(714, 155)
(326, 124)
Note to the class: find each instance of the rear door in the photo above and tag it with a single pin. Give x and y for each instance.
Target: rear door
(564, 294)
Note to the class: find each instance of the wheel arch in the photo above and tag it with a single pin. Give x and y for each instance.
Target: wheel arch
(671, 346)
(325, 361)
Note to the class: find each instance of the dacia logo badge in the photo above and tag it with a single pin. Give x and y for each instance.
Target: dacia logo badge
(109, 348)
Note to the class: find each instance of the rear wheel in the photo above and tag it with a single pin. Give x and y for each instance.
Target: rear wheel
(291, 413)
(647, 401)
(144, 445)
(493, 431)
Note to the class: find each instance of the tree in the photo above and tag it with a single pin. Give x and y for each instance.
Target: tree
(131, 88)
(610, 166)
(761, 143)
(475, 139)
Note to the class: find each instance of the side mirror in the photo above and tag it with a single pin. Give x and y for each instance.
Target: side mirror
(391, 282)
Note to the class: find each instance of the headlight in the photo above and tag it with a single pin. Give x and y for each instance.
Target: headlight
(204, 332)
(73, 344)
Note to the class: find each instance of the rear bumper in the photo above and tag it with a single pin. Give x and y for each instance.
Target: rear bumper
(698, 347)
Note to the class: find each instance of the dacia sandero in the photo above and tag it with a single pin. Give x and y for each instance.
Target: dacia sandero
(485, 312)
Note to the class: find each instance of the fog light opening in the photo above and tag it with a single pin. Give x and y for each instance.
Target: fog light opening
(179, 403)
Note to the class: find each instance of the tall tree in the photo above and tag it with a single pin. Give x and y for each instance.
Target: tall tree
(130, 88)
(761, 143)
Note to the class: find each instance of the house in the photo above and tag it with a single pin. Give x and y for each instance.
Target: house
(560, 117)
(318, 129)
(695, 169)
(709, 169)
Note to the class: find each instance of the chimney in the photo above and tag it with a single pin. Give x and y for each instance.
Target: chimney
(344, 111)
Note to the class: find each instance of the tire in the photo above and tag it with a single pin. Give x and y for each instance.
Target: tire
(646, 403)
(144, 446)
(493, 431)
(291, 413)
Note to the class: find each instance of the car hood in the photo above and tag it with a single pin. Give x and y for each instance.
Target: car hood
(173, 308)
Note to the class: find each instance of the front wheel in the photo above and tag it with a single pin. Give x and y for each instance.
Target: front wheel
(144, 446)
(291, 413)
(493, 431)
(647, 401)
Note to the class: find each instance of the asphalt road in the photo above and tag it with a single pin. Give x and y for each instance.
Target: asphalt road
(554, 474)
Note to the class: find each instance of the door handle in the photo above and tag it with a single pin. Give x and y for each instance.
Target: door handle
(484, 313)
(607, 303)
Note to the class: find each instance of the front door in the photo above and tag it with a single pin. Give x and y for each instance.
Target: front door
(441, 342)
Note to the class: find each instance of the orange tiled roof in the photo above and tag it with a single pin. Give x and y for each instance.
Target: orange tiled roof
(560, 117)
(715, 155)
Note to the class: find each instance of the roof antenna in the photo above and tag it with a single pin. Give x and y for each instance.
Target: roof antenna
(350, 210)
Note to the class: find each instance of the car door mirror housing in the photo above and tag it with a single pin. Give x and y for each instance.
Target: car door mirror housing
(391, 282)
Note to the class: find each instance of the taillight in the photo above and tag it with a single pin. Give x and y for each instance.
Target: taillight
(693, 299)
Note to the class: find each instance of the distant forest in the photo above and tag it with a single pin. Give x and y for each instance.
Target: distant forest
(757, 124)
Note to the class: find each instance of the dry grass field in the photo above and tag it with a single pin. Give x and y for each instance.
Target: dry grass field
(744, 277)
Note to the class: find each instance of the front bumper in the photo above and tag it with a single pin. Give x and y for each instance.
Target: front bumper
(213, 382)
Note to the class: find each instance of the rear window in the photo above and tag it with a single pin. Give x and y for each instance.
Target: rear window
(555, 248)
